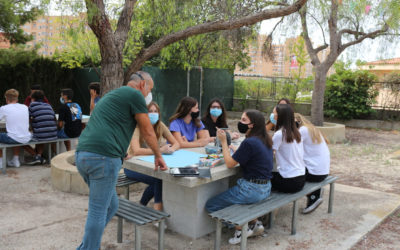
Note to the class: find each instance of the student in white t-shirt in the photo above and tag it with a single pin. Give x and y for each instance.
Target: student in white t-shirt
(16, 116)
(316, 157)
(288, 148)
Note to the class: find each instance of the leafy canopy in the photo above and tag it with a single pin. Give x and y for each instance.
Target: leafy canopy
(14, 14)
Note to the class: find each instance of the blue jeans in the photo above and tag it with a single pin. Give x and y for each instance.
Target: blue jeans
(243, 193)
(61, 134)
(153, 190)
(4, 138)
(100, 173)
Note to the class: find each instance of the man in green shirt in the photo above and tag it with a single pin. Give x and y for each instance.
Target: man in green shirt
(103, 145)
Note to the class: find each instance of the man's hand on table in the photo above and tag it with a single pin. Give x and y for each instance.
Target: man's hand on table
(160, 163)
(167, 149)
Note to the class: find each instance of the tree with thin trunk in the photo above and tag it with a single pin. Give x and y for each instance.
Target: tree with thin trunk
(112, 40)
(339, 24)
(348, 23)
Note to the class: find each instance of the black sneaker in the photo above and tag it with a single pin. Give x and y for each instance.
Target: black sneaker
(313, 202)
(36, 160)
(42, 161)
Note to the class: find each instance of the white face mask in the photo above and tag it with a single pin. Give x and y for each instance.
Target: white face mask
(148, 98)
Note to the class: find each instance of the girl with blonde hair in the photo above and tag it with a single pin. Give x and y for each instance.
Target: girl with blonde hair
(316, 158)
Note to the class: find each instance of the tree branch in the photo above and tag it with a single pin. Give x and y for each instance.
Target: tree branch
(371, 35)
(156, 47)
(320, 26)
(311, 51)
(124, 23)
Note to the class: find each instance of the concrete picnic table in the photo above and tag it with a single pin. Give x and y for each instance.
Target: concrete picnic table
(184, 198)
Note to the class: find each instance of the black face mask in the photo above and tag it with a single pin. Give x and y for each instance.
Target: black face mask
(195, 115)
(242, 127)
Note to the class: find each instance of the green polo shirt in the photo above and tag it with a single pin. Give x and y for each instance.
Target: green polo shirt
(111, 125)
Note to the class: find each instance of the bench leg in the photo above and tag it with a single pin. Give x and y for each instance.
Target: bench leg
(57, 147)
(243, 242)
(294, 217)
(49, 153)
(137, 238)
(119, 230)
(217, 243)
(270, 220)
(331, 192)
(4, 161)
(127, 192)
(161, 229)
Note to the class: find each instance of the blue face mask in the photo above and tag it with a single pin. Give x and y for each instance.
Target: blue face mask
(215, 112)
(272, 119)
(153, 118)
(62, 100)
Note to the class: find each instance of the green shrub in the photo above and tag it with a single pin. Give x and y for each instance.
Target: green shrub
(349, 94)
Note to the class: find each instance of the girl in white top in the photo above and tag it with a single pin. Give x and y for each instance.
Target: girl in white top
(316, 157)
(288, 148)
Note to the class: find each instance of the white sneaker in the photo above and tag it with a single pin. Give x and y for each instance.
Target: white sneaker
(258, 228)
(14, 163)
(157, 225)
(237, 237)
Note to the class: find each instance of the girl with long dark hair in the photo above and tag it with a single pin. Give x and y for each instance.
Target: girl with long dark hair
(289, 152)
(185, 124)
(255, 158)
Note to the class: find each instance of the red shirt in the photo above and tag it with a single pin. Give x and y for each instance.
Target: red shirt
(28, 101)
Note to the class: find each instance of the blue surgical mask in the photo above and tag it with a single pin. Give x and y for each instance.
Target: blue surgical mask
(272, 119)
(153, 118)
(62, 100)
(215, 112)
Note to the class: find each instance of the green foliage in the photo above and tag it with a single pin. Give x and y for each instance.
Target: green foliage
(274, 89)
(349, 94)
(17, 55)
(154, 19)
(15, 14)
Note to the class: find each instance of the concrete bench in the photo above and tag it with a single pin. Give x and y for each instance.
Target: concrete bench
(125, 182)
(4, 146)
(241, 215)
(140, 215)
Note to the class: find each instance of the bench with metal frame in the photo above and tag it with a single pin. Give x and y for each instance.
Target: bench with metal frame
(241, 215)
(140, 215)
(125, 182)
(4, 146)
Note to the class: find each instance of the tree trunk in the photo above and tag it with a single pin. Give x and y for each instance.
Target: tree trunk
(317, 104)
(112, 72)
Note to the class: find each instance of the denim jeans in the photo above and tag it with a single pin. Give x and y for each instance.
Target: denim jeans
(243, 193)
(153, 190)
(4, 138)
(100, 173)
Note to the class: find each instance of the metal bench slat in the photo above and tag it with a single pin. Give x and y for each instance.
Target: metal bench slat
(240, 214)
(142, 209)
(134, 211)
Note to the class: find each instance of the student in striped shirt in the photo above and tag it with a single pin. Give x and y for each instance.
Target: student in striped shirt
(43, 124)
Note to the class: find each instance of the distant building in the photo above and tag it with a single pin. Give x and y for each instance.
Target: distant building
(285, 63)
(382, 68)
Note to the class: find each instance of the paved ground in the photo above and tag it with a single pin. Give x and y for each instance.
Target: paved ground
(35, 216)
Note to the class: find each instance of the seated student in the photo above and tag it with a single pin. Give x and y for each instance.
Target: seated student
(43, 124)
(255, 158)
(271, 123)
(139, 147)
(288, 148)
(216, 118)
(28, 99)
(185, 124)
(16, 116)
(94, 90)
(69, 118)
(316, 157)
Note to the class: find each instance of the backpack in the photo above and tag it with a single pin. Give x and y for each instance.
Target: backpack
(76, 111)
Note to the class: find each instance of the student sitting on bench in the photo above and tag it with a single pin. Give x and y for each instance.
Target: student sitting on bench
(316, 157)
(288, 148)
(16, 116)
(139, 147)
(255, 158)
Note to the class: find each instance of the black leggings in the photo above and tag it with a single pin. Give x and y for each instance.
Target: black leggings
(287, 185)
(315, 178)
